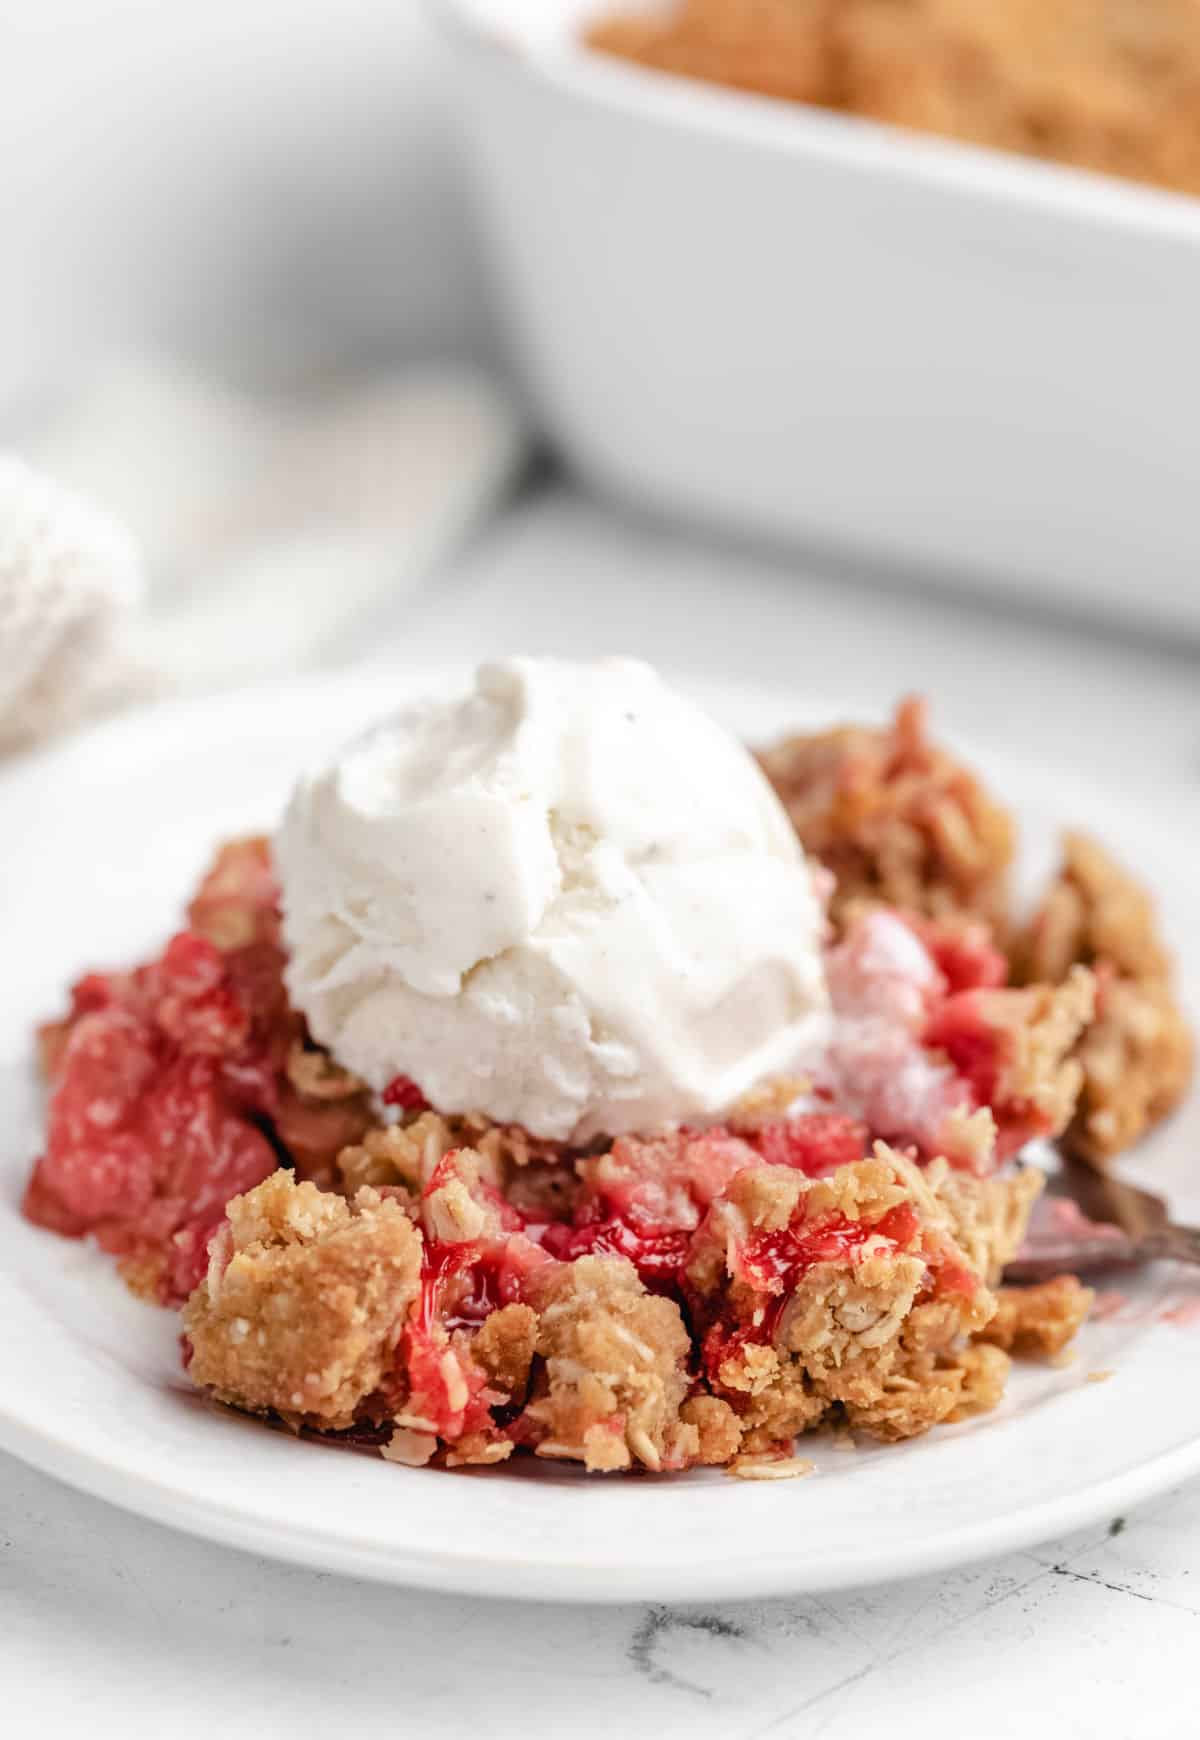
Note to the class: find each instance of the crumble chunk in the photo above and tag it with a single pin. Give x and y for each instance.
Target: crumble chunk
(1094, 910)
(1015, 1046)
(399, 1156)
(237, 902)
(915, 1394)
(808, 1293)
(464, 1291)
(896, 819)
(1137, 1059)
(612, 1374)
(1038, 1322)
(931, 1049)
(504, 1348)
(303, 1303)
(989, 1215)
(1136, 1056)
(718, 1429)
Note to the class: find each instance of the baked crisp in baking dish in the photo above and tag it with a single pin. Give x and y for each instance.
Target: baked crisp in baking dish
(1109, 85)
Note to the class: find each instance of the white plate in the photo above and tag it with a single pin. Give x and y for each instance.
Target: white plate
(101, 842)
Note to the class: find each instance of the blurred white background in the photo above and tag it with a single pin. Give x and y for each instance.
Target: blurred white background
(256, 185)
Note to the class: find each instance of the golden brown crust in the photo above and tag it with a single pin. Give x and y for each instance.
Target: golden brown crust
(1135, 1057)
(406, 1153)
(873, 1333)
(315, 1129)
(234, 905)
(1040, 1025)
(612, 1369)
(1039, 1322)
(985, 1370)
(896, 819)
(1094, 910)
(304, 1301)
(915, 1394)
(504, 1349)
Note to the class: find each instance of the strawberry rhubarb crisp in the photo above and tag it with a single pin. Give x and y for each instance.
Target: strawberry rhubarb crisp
(473, 1116)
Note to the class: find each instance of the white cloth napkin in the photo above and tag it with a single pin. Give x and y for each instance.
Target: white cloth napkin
(69, 576)
(239, 536)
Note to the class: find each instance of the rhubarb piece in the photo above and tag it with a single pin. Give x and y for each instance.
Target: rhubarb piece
(1106, 87)
(1137, 1059)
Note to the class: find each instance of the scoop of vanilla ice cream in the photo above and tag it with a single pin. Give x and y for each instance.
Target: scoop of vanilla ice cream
(567, 900)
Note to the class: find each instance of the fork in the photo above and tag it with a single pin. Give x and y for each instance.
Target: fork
(1107, 1224)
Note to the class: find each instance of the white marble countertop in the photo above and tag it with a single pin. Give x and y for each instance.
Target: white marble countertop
(115, 1625)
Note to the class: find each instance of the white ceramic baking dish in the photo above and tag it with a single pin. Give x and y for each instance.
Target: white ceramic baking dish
(839, 335)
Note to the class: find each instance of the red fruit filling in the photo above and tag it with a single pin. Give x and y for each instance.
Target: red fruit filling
(461, 1284)
(402, 1091)
(817, 1143)
(163, 1081)
(980, 1053)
